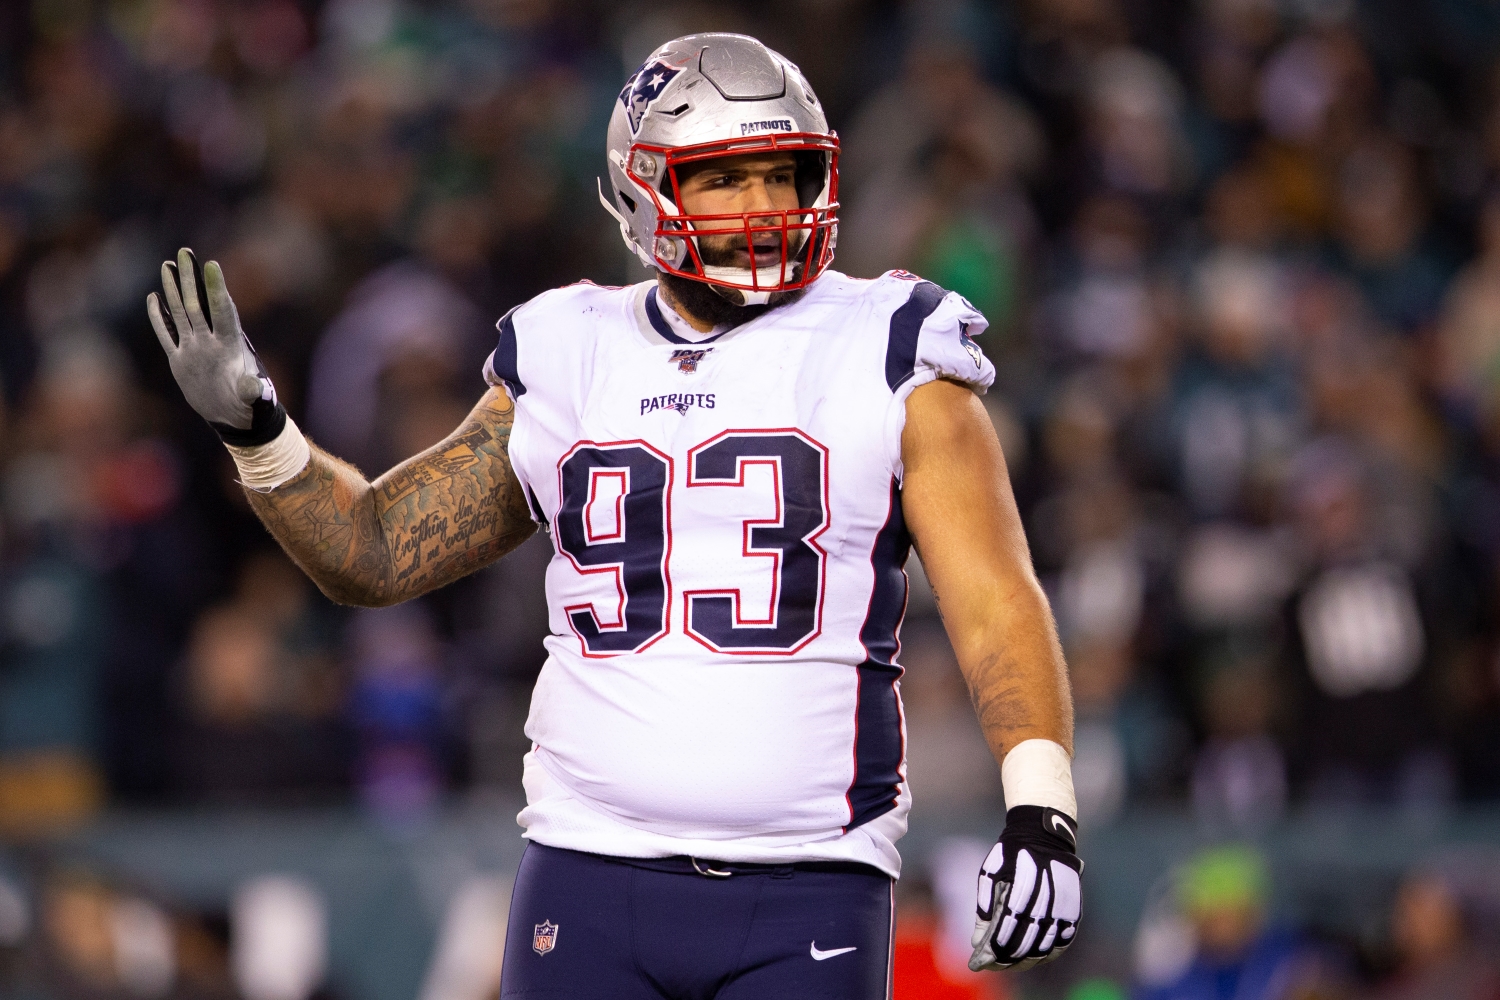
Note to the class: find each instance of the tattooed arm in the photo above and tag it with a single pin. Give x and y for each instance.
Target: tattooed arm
(434, 518)
(958, 504)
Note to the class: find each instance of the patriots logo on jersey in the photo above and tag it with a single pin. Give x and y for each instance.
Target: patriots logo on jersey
(679, 401)
(687, 361)
(643, 88)
(544, 937)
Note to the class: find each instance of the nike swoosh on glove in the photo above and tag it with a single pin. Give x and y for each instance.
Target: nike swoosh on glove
(1029, 892)
(211, 358)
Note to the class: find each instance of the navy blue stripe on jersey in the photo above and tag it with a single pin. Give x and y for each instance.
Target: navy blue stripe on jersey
(888, 597)
(906, 327)
(660, 325)
(536, 508)
(878, 748)
(504, 358)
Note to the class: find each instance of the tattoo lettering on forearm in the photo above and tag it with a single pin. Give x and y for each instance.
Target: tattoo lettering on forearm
(471, 521)
(434, 518)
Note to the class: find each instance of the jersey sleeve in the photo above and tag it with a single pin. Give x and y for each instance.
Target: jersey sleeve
(535, 353)
(502, 368)
(932, 336)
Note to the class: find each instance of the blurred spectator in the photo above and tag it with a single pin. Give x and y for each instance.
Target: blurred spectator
(397, 707)
(1469, 336)
(1235, 406)
(1239, 778)
(1105, 304)
(934, 161)
(98, 938)
(279, 928)
(264, 695)
(1134, 112)
(1435, 954)
(385, 378)
(1235, 953)
(1381, 225)
(90, 506)
(1368, 731)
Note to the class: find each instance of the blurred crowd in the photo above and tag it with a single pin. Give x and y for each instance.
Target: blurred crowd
(1241, 260)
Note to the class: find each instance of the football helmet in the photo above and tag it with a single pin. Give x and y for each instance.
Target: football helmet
(714, 95)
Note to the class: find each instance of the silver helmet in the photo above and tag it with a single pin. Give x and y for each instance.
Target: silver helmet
(718, 95)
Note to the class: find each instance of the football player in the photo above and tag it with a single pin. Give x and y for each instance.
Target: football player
(733, 460)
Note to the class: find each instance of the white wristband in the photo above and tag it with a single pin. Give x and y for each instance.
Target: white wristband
(1039, 773)
(263, 467)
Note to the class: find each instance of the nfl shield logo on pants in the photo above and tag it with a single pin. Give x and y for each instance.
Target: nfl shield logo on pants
(544, 937)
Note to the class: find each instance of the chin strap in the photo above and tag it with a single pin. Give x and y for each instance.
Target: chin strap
(740, 276)
(763, 276)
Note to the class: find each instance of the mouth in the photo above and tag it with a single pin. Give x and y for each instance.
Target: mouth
(767, 253)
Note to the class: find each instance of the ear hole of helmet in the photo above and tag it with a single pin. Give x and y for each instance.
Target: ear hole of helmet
(629, 201)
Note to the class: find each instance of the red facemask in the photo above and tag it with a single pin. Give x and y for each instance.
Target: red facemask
(806, 236)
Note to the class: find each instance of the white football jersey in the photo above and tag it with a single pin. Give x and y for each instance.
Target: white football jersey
(727, 585)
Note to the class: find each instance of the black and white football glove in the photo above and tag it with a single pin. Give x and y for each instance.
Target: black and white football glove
(211, 358)
(1029, 893)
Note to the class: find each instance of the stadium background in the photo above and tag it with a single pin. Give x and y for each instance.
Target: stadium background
(1242, 262)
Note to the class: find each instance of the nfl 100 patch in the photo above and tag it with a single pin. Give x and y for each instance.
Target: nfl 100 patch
(687, 361)
(544, 937)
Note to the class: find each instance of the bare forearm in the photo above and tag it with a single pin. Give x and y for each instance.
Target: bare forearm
(1013, 664)
(457, 506)
(326, 520)
(425, 523)
(962, 513)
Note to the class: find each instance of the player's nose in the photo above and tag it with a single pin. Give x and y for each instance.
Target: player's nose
(757, 198)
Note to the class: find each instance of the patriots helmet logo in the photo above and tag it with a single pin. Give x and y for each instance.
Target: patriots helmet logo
(643, 88)
(544, 937)
(687, 361)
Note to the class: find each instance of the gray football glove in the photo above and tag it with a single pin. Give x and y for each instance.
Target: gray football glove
(211, 358)
(1029, 892)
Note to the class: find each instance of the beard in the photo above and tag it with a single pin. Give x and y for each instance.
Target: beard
(716, 304)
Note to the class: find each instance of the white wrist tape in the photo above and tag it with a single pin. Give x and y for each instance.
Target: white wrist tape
(1039, 773)
(263, 467)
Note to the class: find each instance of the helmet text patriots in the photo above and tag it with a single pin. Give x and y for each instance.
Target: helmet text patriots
(773, 125)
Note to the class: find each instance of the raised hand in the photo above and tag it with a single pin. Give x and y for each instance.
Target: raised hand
(218, 371)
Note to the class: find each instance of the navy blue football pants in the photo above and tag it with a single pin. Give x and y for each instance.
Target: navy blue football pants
(584, 926)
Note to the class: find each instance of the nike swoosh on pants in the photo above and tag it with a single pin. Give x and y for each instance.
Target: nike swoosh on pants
(820, 956)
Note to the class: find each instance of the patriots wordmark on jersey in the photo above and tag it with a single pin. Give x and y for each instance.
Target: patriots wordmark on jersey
(727, 582)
